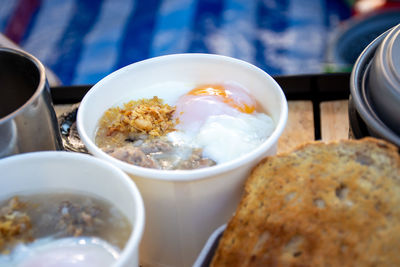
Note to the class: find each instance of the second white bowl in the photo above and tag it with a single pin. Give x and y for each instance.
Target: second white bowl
(48, 172)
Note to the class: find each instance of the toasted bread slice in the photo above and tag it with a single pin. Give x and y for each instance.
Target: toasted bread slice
(335, 204)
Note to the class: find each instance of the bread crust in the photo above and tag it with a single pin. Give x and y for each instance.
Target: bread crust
(323, 204)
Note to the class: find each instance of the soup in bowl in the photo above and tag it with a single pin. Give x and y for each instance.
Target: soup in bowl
(68, 209)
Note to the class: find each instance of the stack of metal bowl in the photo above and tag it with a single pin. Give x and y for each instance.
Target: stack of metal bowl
(374, 106)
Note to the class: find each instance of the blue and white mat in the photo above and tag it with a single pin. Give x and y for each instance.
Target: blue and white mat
(84, 40)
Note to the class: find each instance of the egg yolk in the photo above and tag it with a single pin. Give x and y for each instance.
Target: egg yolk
(225, 95)
(207, 100)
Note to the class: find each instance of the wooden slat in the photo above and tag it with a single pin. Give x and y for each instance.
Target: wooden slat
(299, 127)
(334, 120)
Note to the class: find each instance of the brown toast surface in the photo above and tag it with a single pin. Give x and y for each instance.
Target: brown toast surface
(335, 204)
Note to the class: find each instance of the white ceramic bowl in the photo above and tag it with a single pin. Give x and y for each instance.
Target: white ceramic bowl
(58, 171)
(183, 207)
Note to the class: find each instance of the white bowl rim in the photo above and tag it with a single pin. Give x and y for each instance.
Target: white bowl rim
(183, 175)
(137, 230)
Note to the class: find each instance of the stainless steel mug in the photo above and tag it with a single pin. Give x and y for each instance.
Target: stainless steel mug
(27, 118)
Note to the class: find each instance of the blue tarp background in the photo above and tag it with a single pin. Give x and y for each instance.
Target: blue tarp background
(83, 40)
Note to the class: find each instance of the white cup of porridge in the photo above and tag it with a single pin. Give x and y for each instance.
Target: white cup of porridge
(57, 184)
(183, 207)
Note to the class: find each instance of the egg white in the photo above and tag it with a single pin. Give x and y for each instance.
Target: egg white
(224, 137)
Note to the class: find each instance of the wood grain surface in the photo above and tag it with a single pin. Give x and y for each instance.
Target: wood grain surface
(334, 120)
(299, 127)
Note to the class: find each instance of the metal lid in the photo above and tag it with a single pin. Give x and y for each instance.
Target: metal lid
(393, 56)
(384, 80)
(360, 88)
